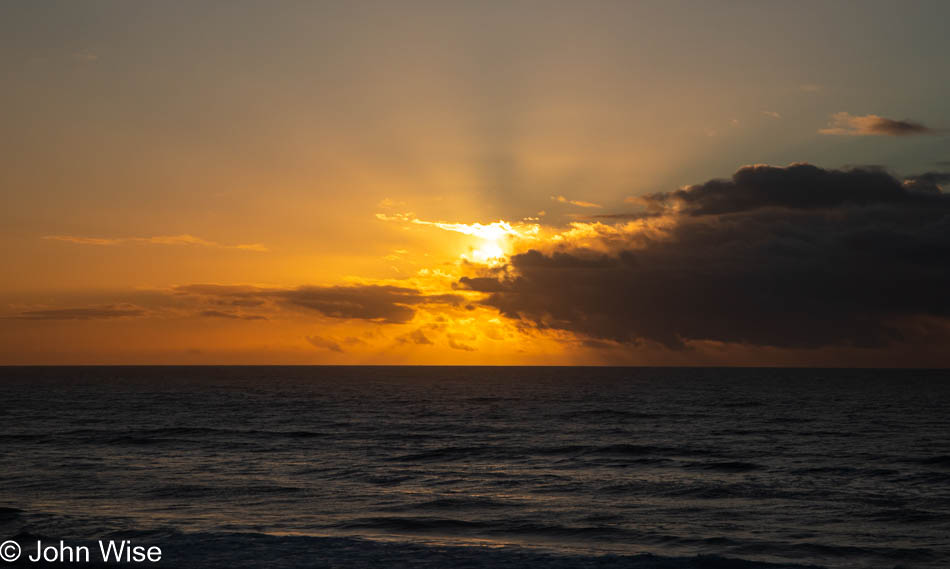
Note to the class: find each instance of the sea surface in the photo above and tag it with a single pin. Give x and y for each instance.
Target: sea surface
(482, 466)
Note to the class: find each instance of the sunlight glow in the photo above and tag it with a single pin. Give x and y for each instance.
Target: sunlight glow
(496, 237)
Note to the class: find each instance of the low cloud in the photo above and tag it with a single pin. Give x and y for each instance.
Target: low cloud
(95, 313)
(794, 257)
(387, 304)
(380, 303)
(456, 342)
(578, 203)
(230, 315)
(183, 239)
(322, 343)
(847, 124)
(623, 216)
(417, 336)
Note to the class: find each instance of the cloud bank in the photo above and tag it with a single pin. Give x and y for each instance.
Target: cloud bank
(794, 257)
(380, 303)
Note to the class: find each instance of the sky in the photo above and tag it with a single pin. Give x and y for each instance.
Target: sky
(539, 183)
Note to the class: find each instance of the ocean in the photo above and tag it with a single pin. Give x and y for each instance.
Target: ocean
(481, 466)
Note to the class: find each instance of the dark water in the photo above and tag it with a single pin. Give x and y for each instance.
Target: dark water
(244, 466)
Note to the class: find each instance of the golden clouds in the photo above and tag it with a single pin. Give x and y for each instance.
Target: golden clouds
(183, 239)
(493, 241)
(757, 266)
(578, 203)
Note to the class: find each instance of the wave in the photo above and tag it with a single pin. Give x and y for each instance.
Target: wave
(630, 454)
(728, 466)
(445, 454)
(622, 414)
(400, 524)
(161, 435)
(253, 550)
(906, 515)
(454, 504)
(845, 471)
(624, 449)
(194, 491)
(501, 528)
(942, 461)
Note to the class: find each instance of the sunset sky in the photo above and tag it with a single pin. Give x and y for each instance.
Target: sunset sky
(655, 183)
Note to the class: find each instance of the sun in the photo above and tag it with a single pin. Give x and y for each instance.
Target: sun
(489, 253)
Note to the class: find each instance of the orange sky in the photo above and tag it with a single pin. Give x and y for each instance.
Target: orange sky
(309, 183)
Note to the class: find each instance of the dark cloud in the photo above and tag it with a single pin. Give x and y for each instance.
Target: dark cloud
(78, 313)
(898, 128)
(797, 257)
(230, 315)
(417, 336)
(390, 304)
(637, 215)
(324, 344)
(799, 186)
(929, 182)
(381, 303)
(598, 344)
(481, 284)
(456, 342)
(246, 303)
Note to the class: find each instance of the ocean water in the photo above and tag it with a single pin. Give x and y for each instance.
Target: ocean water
(482, 467)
